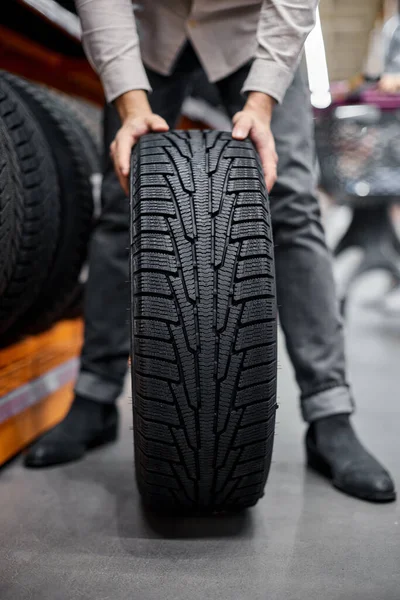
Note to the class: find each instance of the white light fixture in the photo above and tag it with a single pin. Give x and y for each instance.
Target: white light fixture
(317, 67)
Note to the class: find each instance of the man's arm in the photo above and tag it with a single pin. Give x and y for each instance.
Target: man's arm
(282, 31)
(111, 43)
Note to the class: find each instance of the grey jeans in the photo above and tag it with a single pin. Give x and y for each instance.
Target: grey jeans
(308, 308)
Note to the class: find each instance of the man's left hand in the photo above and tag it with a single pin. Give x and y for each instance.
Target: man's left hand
(254, 121)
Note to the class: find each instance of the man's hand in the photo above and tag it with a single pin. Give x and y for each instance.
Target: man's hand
(254, 121)
(137, 119)
(390, 83)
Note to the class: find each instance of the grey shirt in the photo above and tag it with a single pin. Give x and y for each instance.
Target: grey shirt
(224, 33)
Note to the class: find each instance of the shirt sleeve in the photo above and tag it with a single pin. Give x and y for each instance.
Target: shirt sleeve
(111, 43)
(282, 31)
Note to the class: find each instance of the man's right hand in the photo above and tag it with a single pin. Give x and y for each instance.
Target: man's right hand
(137, 119)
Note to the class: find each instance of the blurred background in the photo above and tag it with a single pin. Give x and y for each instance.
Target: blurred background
(50, 175)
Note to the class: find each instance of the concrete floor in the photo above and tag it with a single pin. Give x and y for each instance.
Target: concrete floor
(79, 532)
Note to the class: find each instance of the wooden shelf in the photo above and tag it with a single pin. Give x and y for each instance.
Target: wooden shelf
(36, 383)
(71, 75)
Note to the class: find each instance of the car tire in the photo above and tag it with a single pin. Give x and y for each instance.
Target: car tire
(40, 221)
(62, 130)
(204, 323)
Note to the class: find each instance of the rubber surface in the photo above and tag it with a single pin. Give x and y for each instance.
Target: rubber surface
(203, 322)
(74, 168)
(40, 219)
(11, 207)
(86, 125)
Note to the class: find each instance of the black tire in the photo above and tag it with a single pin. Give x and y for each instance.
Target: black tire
(87, 119)
(40, 221)
(74, 169)
(75, 309)
(11, 207)
(203, 322)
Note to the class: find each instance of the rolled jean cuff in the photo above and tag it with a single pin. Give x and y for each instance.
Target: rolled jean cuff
(97, 388)
(333, 401)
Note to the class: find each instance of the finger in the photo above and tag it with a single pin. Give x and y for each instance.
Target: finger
(242, 126)
(124, 182)
(122, 154)
(157, 123)
(269, 164)
(265, 147)
(236, 117)
(270, 174)
(125, 140)
(121, 157)
(122, 147)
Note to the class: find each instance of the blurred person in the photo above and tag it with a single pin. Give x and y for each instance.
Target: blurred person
(390, 80)
(252, 50)
(390, 84)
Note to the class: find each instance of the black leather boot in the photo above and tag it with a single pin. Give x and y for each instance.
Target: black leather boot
(88, 424)
(334, 450)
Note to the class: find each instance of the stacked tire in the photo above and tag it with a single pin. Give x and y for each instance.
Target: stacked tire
(47, 163)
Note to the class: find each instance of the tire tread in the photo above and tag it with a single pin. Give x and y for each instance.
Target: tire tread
(203, 322)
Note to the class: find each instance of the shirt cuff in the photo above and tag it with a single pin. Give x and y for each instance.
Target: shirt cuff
(268, 77)
(123, 75)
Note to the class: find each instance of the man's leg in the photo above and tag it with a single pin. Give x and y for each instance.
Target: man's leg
(92, 419)
(106, 347)
(308, 307)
